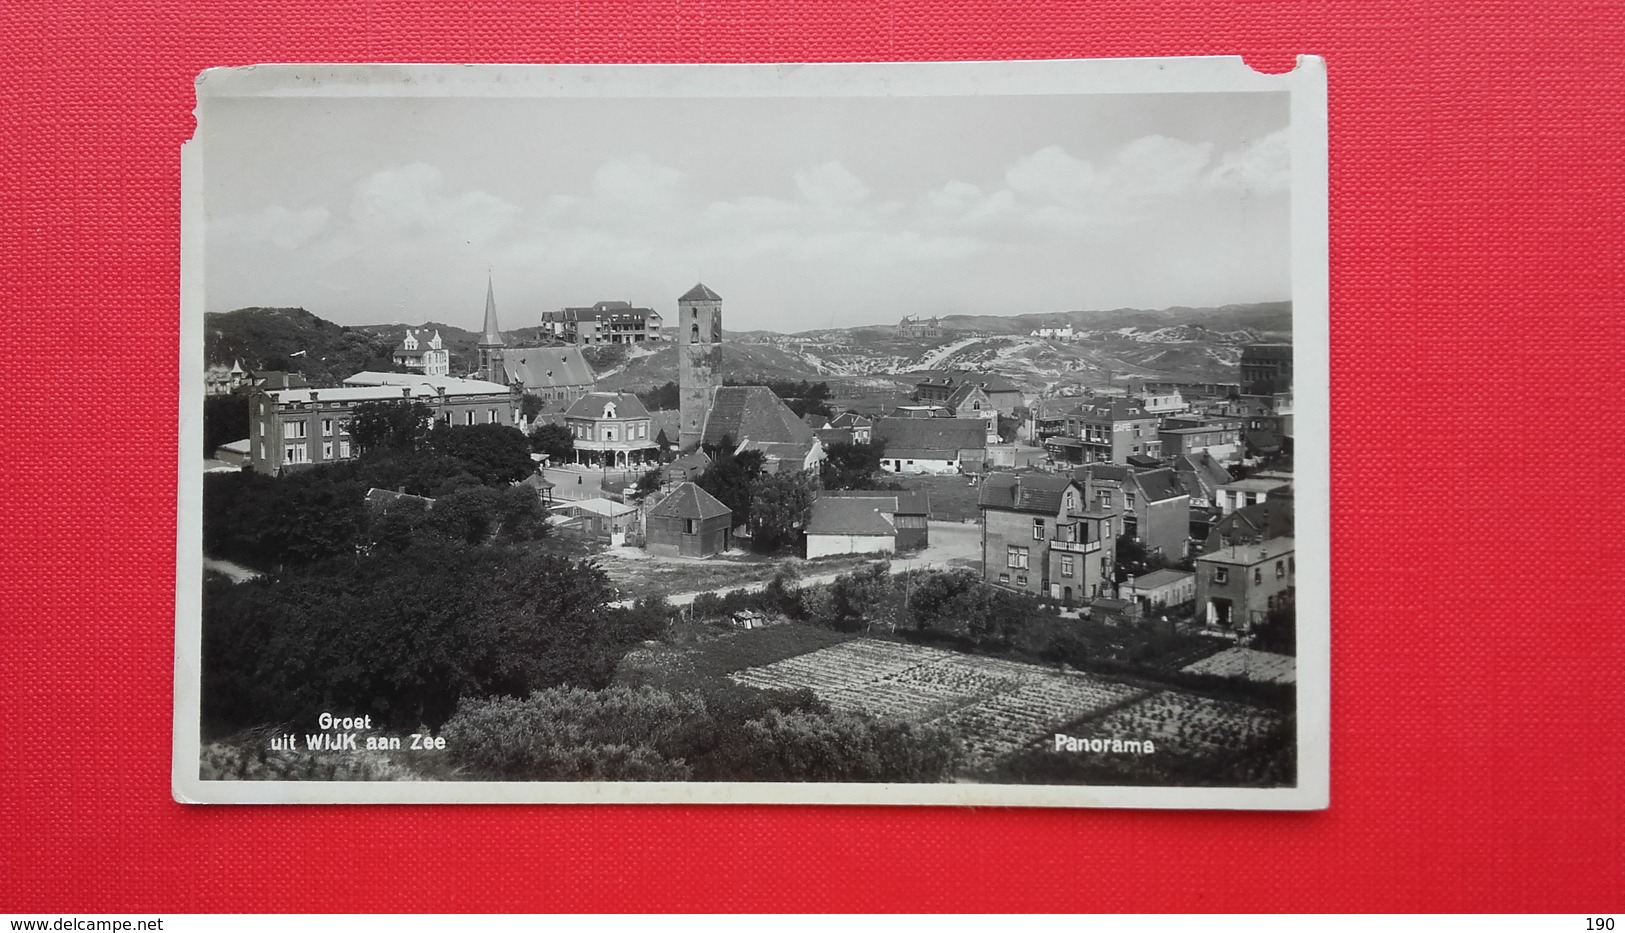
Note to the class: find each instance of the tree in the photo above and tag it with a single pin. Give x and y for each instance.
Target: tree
(780, 506)
(531, 405)
(661, 398)
(553, 440)
(851, 465)
(225, 419)
(649, 482)
(494, 453)
(395, 425)
(729, 478)
(1133, 559)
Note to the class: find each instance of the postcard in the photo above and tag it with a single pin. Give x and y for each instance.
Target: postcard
(839, 434)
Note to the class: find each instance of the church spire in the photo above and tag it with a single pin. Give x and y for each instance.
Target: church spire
(492, 336)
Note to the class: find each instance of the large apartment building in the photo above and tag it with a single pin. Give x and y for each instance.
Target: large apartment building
(604, 322)
(296, 428)
(1099, 430)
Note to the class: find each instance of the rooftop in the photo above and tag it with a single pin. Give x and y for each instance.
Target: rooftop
(844, 516)
(689, 501)
(598, 406)
(1246, 555)
(452, 385)
(909, 501)
(1158, 578)
(700, 293)
(1041, 493)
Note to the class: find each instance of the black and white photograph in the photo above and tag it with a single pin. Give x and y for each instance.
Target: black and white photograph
(943, 433)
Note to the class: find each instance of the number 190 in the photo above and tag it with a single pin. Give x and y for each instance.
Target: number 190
(1599, 923)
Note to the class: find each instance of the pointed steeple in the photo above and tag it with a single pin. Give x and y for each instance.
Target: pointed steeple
(492, 336)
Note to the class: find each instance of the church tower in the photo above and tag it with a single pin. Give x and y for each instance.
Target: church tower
(491, 368)
(698, 333)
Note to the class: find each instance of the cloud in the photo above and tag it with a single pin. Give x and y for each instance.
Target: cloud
(638, 183)
(831, 186)
(1262, 166)
(278, 226)
(410, 202)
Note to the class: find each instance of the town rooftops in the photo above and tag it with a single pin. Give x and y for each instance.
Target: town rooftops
(930, 438)
(1159, 578)
(452, 385)
(354, 394)
(700, 293)
(1158, 485)
(605, 507)
(601, 406)
(546, 367)
(755, 413)
(689, 501)
(1257, 484)
(1267, 351)
(844, 516)
(1246, 555)
(909, 501)
(1039, 493)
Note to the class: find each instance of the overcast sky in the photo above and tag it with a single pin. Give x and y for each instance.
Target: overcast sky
(801, 213)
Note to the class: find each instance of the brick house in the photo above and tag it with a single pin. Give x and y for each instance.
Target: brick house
(1237, 587)
(688, 522)
(1041, 536)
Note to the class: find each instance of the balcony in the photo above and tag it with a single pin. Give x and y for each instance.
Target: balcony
(1075, 547)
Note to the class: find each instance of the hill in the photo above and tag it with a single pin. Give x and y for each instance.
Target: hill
(292, 340)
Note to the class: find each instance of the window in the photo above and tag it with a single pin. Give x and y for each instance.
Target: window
(1280, 569)
(694, 334)
(327, 450)
(262, 433)
(1021, 579)
(688, 526)
(327, 427)
(491, 416)
(1071, 501)
(293, 430)
(1016, 557)
(344, 450)
(262, 446)
(1106, 529)
(1104, 497)
(1128, 497)
(1004, 578)
(344, 425)
(1038, 529)
(468, 417)
(1258, 576)
(1221, 574)
(1066, 566)
(295, 453)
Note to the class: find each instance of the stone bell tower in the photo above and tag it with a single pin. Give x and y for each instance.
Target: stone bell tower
(698, 333)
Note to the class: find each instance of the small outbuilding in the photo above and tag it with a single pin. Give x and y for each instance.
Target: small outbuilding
(688, 522)
(852, 526)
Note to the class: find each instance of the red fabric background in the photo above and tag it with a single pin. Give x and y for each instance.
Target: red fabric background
(1478, 246)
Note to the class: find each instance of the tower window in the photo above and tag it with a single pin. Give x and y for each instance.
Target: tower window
(694, 334)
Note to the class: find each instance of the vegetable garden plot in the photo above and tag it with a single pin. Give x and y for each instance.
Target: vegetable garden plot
(1246, 663)
(1183, 724)
(1005, 722)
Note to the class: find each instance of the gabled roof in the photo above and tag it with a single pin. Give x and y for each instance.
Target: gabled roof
(1039, 493)
(754, 413)
(689, 501)
(536, 481)
(816, 422)
(592, 405)
(909, 501)
(964, 393)
(546, 367)
(850, 419)
(700, 293)
(1272, 518)
(698, 460)
(1159, 485)
(842, 516)
(938, 434)
(780, 451)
